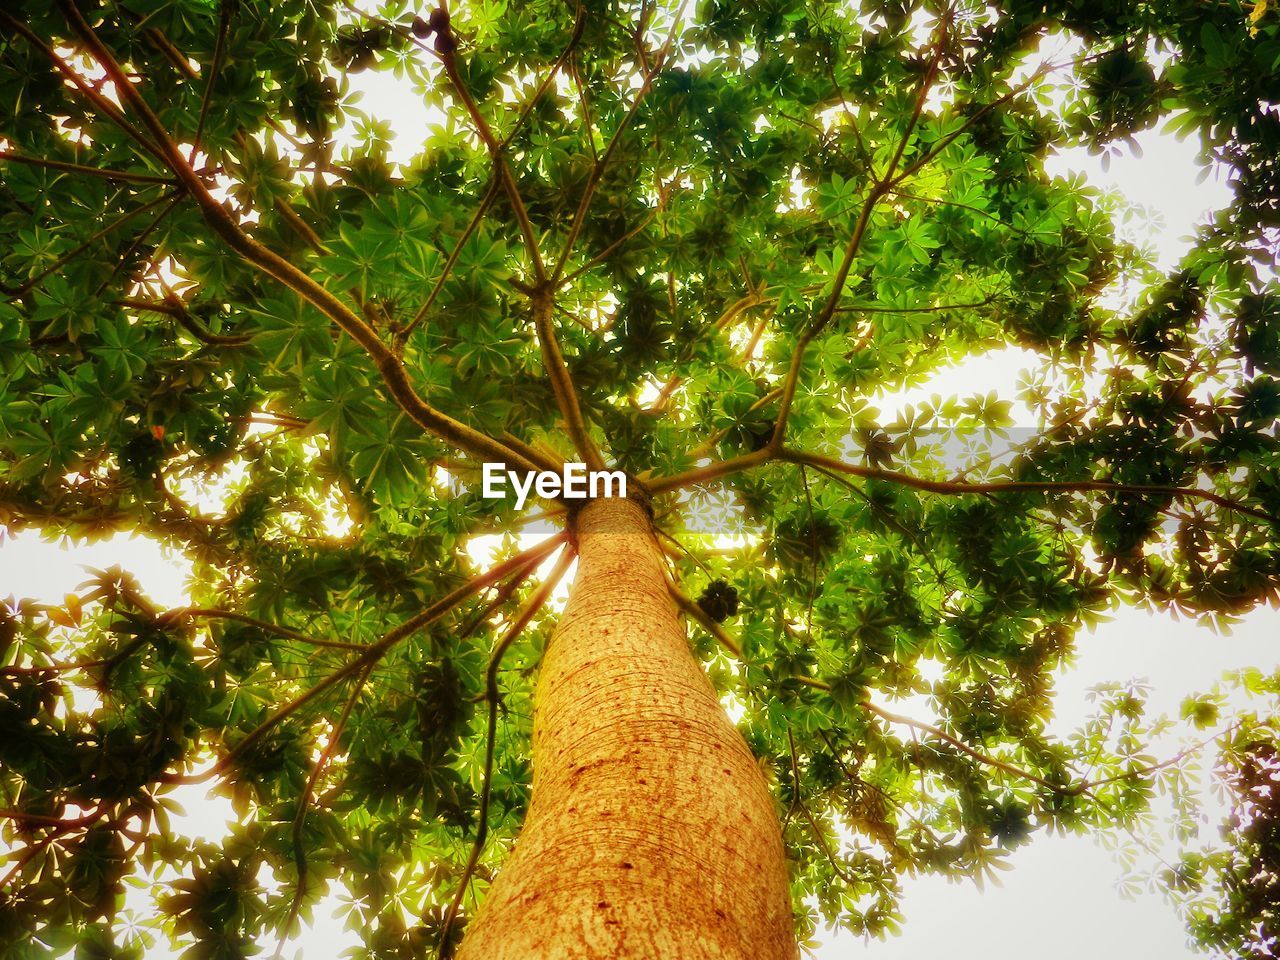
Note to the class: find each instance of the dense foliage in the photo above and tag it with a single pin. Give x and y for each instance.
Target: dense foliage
(693, 241)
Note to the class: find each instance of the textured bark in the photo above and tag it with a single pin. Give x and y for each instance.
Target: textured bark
(651, 833)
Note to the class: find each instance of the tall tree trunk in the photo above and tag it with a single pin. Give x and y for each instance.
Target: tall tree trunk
(651, 833)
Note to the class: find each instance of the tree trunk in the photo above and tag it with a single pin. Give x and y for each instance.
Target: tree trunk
(651, 833)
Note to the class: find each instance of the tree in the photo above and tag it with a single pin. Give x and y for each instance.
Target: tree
(687, 241)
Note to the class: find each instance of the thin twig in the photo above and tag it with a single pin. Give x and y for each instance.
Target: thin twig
(123, 176)
(219, 51)
(304, 802)
(111, 227)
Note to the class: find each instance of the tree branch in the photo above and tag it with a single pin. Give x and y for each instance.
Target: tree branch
(174, 307)
(717, 632)
(394, 376)
(219, 51)
(374, 652)
(122, 176)
(1075, 789)
(597, 171)
(502, 169)
(111, 227)
(300, 818)
(562, 386)
(1019, 486)
(206, 613)
(99, 102)
(491, 191)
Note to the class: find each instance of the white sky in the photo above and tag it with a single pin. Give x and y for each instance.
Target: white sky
(1062, 894)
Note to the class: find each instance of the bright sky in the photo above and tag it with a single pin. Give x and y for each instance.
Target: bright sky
(1062, 895)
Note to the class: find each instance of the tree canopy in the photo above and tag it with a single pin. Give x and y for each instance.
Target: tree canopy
(690, 240)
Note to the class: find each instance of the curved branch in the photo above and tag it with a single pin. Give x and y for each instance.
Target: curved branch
(219, 51)
(983, 758)
(501, 167)
(547, 462)
(936, 308)
(100, 103)
(304, 802)
(717, 632)
(486, 201)
(724, 468)
(173, 306)
(796, 802)
(713, 471)
(111, 227)
(879, 188)
(597, 171)
(1066, 790)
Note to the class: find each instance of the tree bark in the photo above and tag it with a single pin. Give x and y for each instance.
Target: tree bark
(651, 833)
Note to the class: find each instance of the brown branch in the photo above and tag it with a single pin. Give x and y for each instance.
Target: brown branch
(299, 226)
(173, 306)
(707, 445)
(714, 471)
(597, 171)
(1019, 486)
(717, 632)
(879, 188)
(950, 138)
(562, 386)
(943, 202)
(1075, 789)
(122, 176)
(722, 637)
(219, 51)
(99, 102)
(1146, 771)
(731, 313)
(575, 37)
(134, 247)
(964, 748)
(938, 308)
(491, 191)
(42, 820)
(792, 379)
(724, 468)
(206, 613)
(796, 802)
(554, 464)
(54, 668)
(542, 299)
(393, 373)
(502, 169)
(607, 251)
